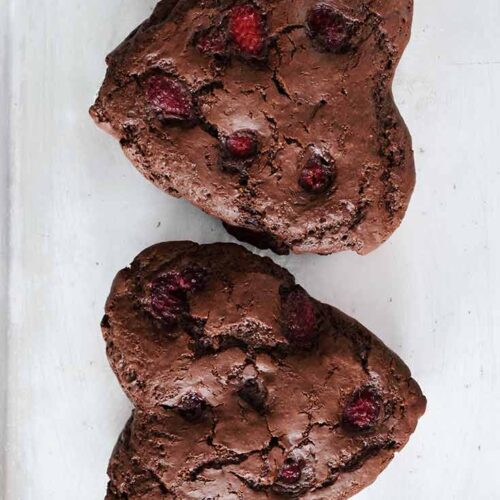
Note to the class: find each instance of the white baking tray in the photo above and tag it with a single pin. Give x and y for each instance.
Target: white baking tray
(73, 211)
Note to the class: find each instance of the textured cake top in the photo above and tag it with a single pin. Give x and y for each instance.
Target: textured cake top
(277, 116)
(240, 377)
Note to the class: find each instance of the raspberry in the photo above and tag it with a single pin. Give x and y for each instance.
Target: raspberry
(316, 176)
(254, 393)
(242, 144)
(192, 407)
(193, 279)
(238, 151)
(169, 283)
(246, 28)
(211, 42)
(166, 303)
(290, 472)
(363, 409)
(170, 98)
(300, 317)
(169, 293)
(330, 28)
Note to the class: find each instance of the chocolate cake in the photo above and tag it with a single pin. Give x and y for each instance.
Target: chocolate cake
(277, 117)
(243, 385)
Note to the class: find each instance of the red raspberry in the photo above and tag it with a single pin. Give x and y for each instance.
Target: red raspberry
(316, 176)
(211, 42)
(170, 98)
(363, 410)
(330, 28)
(290, 472)
(169, 293)
(242, 144)
(192, 407)
(300, 317)
(246, 28)
(193, 279)
(166, 304)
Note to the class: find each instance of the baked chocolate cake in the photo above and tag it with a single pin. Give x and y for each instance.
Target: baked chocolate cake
(277, 117)
(245, 386)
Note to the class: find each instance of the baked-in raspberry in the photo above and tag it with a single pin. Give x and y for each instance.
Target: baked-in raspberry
(192, 406)
(299, 316)
(363, 409)
(168, 283)
(290, 472)
(212, 42)
(246, 28)
(317, 175)
(170, 98)
(166, 303)
(242, 144)
(330, 28)
(193, 278)
(190, 279)
(169, 293)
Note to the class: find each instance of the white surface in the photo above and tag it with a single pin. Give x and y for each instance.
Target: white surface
(4, 206)
(79, 212)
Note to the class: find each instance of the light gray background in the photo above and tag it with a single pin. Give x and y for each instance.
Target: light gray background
(79, 212)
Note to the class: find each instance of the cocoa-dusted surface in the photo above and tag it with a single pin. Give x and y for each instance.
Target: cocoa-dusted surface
(300, 97)
(244, 386)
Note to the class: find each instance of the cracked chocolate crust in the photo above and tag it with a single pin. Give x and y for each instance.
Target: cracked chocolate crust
(244, 386)
(298, 97)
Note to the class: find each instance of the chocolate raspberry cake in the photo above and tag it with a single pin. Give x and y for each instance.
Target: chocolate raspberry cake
(244, 386)
(277, 117)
